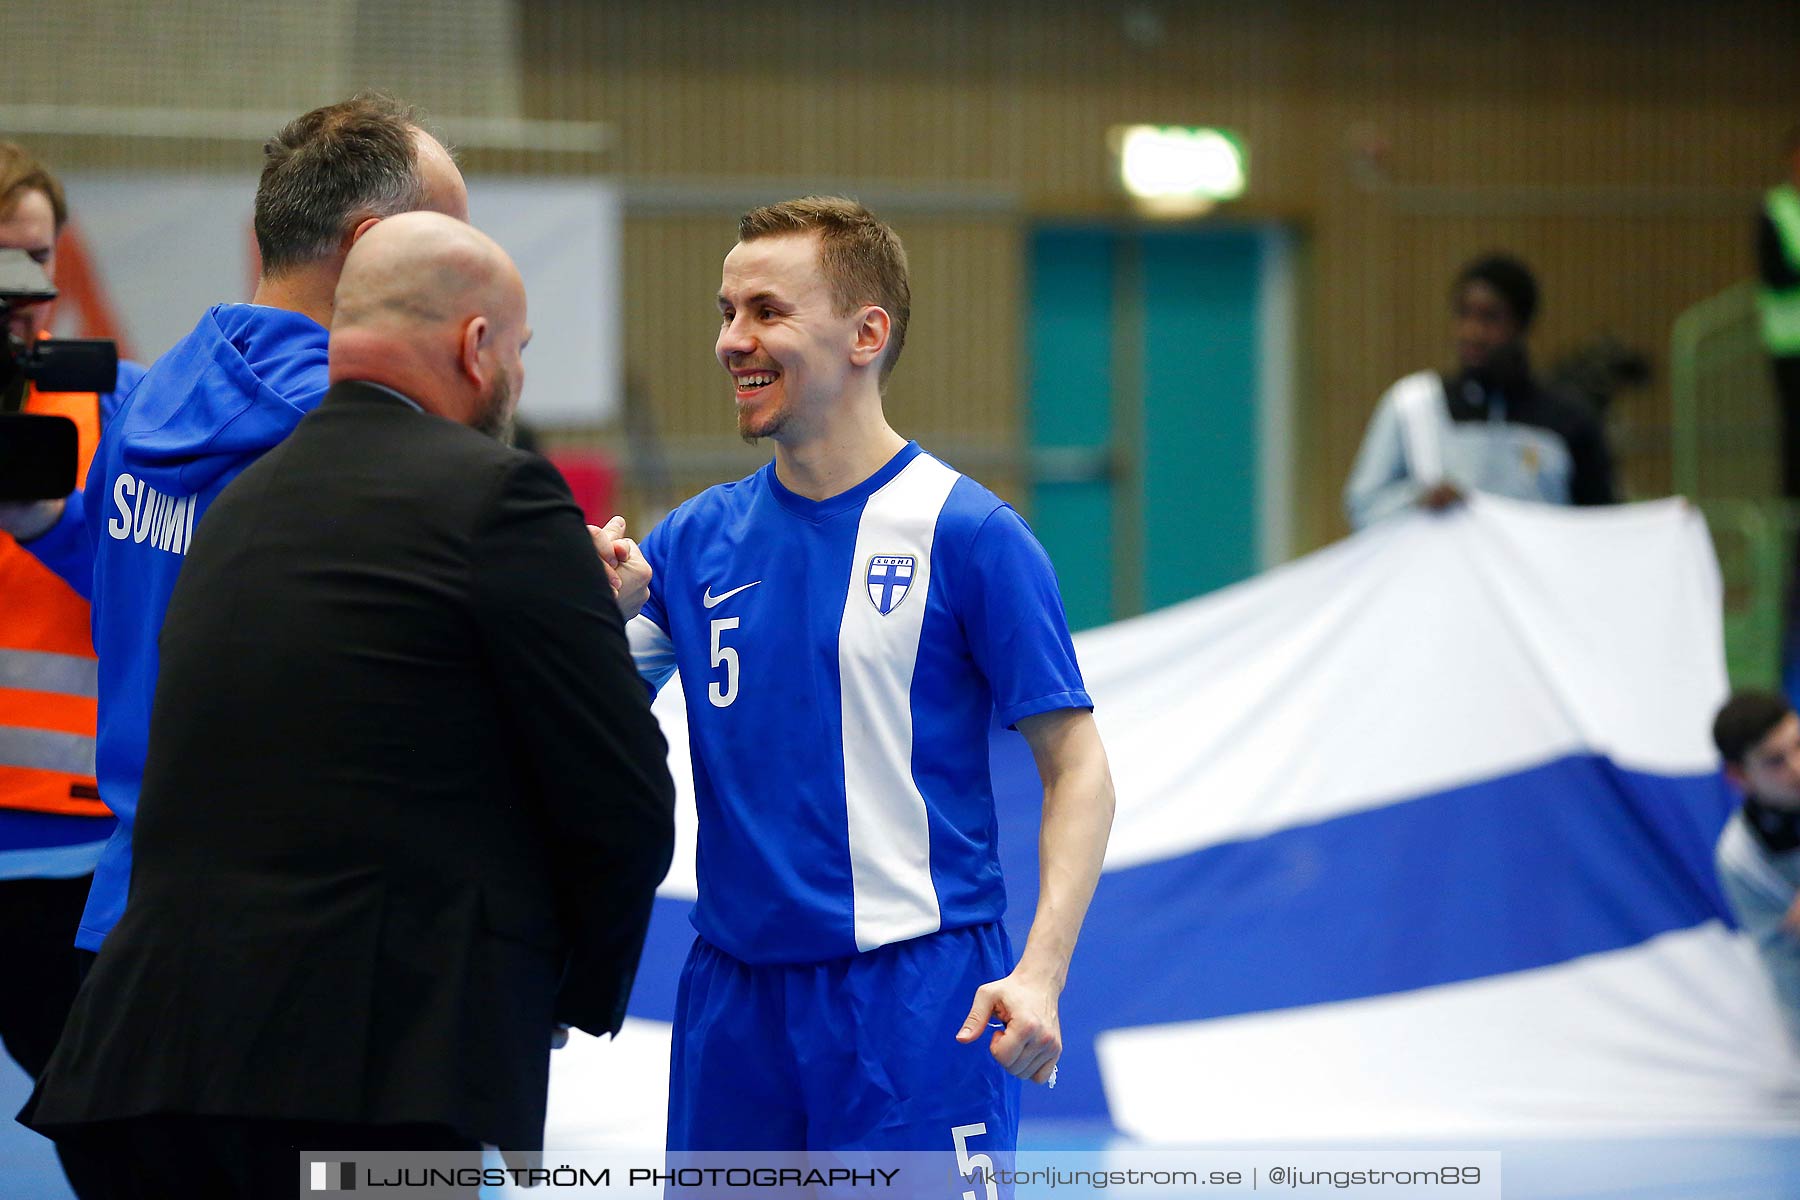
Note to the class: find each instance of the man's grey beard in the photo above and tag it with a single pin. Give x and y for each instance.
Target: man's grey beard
(496, 418)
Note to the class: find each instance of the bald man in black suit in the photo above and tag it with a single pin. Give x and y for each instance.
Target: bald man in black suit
(405, 805)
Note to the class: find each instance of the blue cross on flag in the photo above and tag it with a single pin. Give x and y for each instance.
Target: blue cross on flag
(890, 577)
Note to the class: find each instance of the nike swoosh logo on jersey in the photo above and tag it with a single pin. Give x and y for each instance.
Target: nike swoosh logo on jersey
(712, 601)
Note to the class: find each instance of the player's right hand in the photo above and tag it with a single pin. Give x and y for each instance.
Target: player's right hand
(1031, 1040)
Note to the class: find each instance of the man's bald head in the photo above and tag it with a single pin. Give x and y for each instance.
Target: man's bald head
(422, 268)
(435, 309)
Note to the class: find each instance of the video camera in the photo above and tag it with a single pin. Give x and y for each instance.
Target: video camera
(40, 455)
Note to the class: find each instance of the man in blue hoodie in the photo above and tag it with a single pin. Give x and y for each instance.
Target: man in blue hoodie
(219, 399)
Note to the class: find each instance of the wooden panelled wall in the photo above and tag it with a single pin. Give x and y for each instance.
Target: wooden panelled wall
(1619, 146)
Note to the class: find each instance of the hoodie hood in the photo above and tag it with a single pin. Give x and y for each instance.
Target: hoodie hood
(226, 393)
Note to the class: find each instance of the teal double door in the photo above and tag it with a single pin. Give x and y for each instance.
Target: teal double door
(1160, 366)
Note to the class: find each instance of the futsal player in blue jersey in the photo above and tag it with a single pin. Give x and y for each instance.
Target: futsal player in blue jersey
(847, 623)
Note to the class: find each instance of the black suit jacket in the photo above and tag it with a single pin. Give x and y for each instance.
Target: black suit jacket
(405, 805)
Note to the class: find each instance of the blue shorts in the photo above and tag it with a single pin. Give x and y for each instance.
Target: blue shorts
(855, 1053)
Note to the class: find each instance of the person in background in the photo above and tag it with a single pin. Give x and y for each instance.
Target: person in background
(1778, 305)
(1778, 313)
(52, 823)
(1758, 854)
(1488, 426)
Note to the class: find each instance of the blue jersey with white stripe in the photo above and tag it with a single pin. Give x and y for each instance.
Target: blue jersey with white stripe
(843, 661)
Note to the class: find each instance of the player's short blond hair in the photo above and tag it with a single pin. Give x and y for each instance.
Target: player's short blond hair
(861, 257)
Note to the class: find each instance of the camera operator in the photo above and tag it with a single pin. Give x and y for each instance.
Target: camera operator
(52, 824)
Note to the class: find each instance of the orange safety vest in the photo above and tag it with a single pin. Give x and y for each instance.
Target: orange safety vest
(49, 675)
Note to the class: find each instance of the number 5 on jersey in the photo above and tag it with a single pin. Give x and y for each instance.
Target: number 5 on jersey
(978, 1168)
(722, 694)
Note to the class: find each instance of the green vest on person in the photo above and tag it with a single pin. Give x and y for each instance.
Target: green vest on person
(1780, 307)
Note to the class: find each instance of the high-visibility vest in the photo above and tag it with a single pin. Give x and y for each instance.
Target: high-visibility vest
(1780, 307)
(49, 676)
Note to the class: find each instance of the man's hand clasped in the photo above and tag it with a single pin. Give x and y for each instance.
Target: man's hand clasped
(626, 568)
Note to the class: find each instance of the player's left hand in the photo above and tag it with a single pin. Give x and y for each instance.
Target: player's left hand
(626, 568)
(1031, 1042)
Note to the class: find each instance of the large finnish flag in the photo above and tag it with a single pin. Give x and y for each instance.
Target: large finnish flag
(1414, 839)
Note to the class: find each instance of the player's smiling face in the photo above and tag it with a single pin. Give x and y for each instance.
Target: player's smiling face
(781, 338)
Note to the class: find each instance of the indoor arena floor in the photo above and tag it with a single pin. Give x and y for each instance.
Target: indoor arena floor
(1713, 1167)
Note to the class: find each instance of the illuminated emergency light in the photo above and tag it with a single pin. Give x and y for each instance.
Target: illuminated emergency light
(1174, 167)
